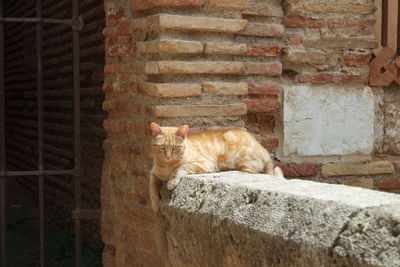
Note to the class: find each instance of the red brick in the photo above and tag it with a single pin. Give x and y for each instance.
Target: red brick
(109, 69)
(298, 170)
(390, 184)
(261, 105)
(124, 28)
(270, 142)
(107, 87)
(148, 4)
(263, 89)
(302, 22)
(263, 50)
(124, 39)
(134, 87)
(355, 61)
(330, 78)
(294, 39)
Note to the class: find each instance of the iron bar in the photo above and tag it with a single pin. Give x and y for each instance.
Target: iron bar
(36, 173)
(77, 132)
(40, 110)
(37, 20)
(3, 219)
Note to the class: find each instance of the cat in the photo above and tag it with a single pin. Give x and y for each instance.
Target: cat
(176, 154)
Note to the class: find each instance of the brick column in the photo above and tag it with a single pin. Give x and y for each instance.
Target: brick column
(203, 63)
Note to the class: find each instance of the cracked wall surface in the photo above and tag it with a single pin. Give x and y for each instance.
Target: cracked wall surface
(237, 219)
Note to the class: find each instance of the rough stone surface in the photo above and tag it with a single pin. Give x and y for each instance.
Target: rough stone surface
(376, 167)
(328, 120)
(248, 219)
(391, 112)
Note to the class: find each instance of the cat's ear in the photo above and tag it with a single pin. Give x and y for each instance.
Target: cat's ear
(155, 129)
(182, 131)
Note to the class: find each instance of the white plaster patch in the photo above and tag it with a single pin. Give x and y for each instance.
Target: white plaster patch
(328, 120)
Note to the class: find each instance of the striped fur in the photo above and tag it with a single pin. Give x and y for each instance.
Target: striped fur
(177, 154)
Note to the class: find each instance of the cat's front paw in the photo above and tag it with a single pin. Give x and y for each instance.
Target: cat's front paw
(172, 184)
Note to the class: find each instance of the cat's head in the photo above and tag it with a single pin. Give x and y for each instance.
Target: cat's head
(168, 142)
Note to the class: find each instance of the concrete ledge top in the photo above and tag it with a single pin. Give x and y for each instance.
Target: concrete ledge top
(349, 222)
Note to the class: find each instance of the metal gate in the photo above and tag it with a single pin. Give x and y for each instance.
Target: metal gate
(385, 67)
(76, 24)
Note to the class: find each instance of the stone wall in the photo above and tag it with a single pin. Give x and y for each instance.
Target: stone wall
(294, 73)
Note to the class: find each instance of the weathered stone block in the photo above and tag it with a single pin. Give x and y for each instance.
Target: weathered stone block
(168, 90)
(224, 88)
(291, 222)
(328, 120)
(200, 111)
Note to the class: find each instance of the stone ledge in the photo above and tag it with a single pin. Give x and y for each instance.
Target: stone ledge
(293, 222)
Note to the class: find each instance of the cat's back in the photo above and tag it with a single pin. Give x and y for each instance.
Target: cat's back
(224, 137)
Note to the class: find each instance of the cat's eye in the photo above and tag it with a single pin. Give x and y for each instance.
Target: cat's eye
(162, 147)
(176, 147)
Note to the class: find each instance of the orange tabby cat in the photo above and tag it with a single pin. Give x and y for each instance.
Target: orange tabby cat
(176, 154)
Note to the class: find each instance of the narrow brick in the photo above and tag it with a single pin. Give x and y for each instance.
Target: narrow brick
(109, 68)
(229, 4)
(200, 111)
(264, 89)
(389, 185)
(351, 42)
(139, 5)
(302, 22)
(263, 50)
(268, 10)
(321, 78)
(168, 90)
(264, 30)
(225, 48)
(376, 167)
(224, 88)
(353, 24)
(294, 39)
(256, 105)
(363, 183)
(298, 170)
(338, 7)
(170, 47)
(241, 49)
(299, 56)
(355, 61)
(192, 23)
(266, 69)
(183, 67)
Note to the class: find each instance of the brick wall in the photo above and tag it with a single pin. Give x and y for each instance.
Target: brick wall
(216, 63)
(21, 106)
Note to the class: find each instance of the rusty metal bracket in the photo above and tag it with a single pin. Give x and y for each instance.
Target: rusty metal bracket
(77, 23)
